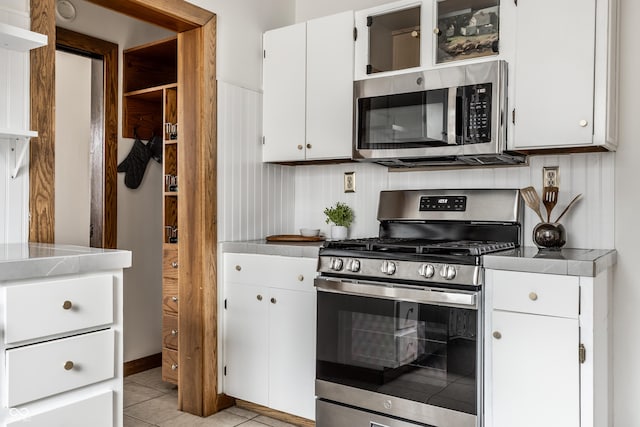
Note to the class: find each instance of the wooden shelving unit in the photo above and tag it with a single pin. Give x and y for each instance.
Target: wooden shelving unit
(150, 104)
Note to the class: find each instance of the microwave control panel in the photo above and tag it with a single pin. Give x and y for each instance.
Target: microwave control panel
(443, 203)
(477, 112)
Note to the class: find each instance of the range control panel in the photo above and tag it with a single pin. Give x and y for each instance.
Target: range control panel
(443, 203)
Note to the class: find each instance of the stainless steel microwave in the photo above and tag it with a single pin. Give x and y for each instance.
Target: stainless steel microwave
(446, 116)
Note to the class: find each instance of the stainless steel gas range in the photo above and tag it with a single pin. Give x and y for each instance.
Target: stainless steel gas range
(399, 335)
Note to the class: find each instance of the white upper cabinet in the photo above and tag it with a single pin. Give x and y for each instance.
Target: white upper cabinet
(564, 74)
(284, 82)
(308, 90)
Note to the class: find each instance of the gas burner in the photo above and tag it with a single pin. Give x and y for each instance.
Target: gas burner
(420, 246)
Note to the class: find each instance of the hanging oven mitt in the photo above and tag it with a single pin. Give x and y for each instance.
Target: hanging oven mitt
(135, 164)
(155, 147)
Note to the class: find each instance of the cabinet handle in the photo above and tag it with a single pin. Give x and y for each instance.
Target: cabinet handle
(583, 123)
(273, 301)
(68, 365)
(300, 278)
(497, 335)
(309, 146)
(174, 332)
(437, 31)
(174, 264)
(174, 299)
(238, 268)
(67, 305)
(259, 297)
(174, 366)
(300, 147)
(533, 296)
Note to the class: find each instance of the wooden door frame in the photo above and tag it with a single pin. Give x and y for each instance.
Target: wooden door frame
(197, 211)
(104, 200)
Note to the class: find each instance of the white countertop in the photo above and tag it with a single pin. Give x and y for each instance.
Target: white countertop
(292, 249)
(31, 260)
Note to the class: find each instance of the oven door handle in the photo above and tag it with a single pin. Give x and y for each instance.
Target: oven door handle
(444, 297)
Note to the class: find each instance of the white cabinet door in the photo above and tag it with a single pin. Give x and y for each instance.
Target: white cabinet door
(554, 73)
(292, 352)
(284, 69)
(330, 87)
(246, 343)
(535, 371)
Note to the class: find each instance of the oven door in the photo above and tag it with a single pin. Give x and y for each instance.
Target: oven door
(406, 352)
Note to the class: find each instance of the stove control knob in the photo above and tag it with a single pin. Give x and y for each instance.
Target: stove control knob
(335, 264)
(427, 271)
(388, 267)
(353, 265)
(448, 272)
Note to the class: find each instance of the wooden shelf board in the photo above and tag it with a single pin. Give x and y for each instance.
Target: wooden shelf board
(19, 39)
(171, 141)
(171, 193)
(155, 91)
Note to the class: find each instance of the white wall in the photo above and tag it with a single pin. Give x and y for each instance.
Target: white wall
(14, 114)
(309, 9)
(73, 133)
(626, 313)
(140, 210)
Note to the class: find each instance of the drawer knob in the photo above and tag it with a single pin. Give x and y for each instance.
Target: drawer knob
(300, 278)
(67, 305)
(174, 366)
(259, 297)
(273, 301)
(174, 299)
(300, 146)
(174, 264)
(309, 146)
(497, 335)
(583, 123)
(68, 365)
(533, 296)
(174, 332)
(238, 268)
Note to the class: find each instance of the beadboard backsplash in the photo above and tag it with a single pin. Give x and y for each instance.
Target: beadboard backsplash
(589, 225)
(257, 199)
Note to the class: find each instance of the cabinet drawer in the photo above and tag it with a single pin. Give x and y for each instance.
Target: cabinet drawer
(39, 309)
(170, 366)
(170, 263)
(170, 295)
(545, 294)
(95, 411)
(170, 331)
(41, 370)
(276, 271)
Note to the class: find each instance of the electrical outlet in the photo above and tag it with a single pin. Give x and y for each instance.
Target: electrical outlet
(550, 176)
(349, 182)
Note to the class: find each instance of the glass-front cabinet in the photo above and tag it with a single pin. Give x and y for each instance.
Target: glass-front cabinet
(424, 33)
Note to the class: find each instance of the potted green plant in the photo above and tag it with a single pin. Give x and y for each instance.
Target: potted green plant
(341, 216)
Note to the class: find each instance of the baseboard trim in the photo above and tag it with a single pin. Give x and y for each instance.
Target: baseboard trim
(272, 413)
(142, 364)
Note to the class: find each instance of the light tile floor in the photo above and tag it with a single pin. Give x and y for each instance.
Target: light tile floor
(148, 401)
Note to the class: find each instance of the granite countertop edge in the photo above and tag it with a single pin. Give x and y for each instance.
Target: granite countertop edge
(19, 261)
(569, 262)
(262, 247)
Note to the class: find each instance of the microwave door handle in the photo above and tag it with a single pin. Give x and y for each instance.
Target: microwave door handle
(453, 115)
(425, 296)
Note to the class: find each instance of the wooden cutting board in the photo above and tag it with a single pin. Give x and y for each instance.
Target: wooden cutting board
(294, 238)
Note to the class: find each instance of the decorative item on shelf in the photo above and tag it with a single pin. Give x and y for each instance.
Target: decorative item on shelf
(172, 234)
(547, 235)
(341, 215)
(171, 129)
(170, 183)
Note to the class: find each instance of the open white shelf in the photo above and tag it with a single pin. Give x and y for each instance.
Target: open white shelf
(20, 151)
(19, 39)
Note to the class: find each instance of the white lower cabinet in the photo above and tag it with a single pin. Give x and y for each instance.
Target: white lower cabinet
(269, 331)
(546, 346)
(61, 354)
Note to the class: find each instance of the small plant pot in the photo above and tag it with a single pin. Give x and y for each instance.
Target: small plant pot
(549, 236)
(338, 232)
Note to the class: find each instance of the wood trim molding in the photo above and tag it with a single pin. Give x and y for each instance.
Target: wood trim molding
(143, 364)
(108, 198)
(272, 413)
(42, 150)
(175, 15)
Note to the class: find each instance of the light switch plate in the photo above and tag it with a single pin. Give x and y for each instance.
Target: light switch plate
(349, 182)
